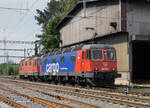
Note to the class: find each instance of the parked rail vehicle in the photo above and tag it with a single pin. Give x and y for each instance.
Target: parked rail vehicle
(93, 64)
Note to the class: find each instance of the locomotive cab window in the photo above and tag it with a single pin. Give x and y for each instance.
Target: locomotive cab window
(62, 59)
(97, 54)
(73, 58)
(110, 55)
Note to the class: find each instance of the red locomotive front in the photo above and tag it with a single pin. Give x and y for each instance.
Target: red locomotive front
(96, 59)
(103, 60)
(98, 63)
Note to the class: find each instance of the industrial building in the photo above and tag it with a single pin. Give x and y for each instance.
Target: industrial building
(125, 24)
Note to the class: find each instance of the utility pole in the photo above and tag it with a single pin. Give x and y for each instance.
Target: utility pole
(7, 64)
(24, 53)
(5, 57)
(4, 41)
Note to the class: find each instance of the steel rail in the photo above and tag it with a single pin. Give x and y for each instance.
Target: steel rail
(57, 96)
(11, 102)
(62, 98)
(45, 102)
(102, 93)
(106, 99)
(122, 102)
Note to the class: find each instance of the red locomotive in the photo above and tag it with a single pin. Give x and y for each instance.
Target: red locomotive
(30, 67)
(94, 64)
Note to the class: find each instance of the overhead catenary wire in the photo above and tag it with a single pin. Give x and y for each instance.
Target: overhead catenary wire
(90, 15)
(16, 26)
(23, 17)
(14, 8)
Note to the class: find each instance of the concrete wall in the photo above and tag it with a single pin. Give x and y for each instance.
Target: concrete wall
(120, 42)
(99, 17)
(138, 17)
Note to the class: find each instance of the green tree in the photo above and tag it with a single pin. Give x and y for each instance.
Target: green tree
(50, 37)
(1, 70)
(16, 69)
(49, 12)
(49, 18)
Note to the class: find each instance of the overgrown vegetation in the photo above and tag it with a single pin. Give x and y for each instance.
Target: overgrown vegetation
(49, 18)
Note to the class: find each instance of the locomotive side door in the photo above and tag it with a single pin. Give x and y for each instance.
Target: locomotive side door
(83, 62)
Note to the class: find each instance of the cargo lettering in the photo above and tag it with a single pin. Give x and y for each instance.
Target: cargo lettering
(54, 67)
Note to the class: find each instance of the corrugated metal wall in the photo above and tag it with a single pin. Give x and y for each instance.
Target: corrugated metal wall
(138, 17)
(99, 17)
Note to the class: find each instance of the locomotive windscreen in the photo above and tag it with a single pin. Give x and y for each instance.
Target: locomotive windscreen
(97, 54)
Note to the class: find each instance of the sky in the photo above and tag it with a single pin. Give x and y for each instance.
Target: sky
(17, 25)
(20, 25)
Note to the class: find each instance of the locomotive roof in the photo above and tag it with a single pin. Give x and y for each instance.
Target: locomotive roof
(76, 48)
(35, 57)
(96, 46)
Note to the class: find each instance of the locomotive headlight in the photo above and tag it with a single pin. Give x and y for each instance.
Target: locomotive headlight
(113, 69)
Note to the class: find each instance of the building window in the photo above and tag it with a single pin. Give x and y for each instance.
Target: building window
(62, 59)
(73, 58)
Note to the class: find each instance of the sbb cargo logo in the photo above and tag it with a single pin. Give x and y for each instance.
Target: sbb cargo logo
(54, 67)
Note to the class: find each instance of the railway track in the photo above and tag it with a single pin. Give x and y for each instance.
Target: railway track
(11, 102)
(45, 102)
(131, 101)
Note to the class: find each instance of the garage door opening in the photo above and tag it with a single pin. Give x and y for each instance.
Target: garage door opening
(141, 62)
